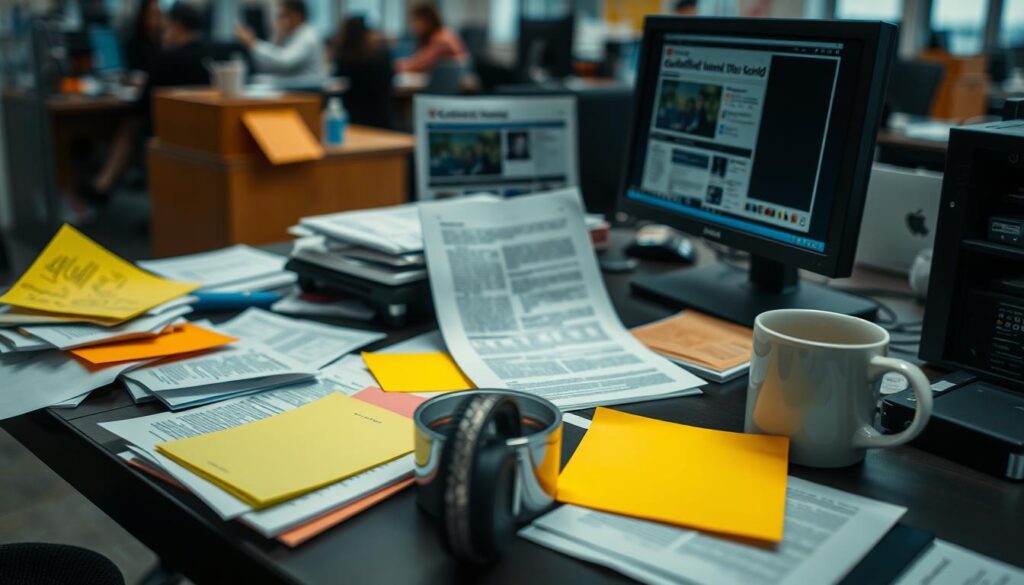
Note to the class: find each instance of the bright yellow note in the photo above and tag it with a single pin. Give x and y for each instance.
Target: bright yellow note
(279, 458)
(731, 483)
(75, 275)
(178, 339)
(283, 136)
(416, 372)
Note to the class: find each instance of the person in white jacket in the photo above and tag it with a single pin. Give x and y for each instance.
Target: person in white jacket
(297, 50)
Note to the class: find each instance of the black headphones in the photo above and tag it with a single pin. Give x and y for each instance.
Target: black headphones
(478, 471)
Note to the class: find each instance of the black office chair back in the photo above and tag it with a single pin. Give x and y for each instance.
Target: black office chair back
(445, 79)
(34, 563)
(913, 85)
(546, 44)
(604, 117)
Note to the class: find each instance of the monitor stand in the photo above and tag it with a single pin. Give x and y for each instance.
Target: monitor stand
(737, 295)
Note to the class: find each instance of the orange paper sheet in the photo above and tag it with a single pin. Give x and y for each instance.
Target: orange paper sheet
(718, 481)
(699, 339)
(283, 136)
(179, 339)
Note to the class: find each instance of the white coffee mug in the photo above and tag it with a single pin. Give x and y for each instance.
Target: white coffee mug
(229, 77)
(813, 378)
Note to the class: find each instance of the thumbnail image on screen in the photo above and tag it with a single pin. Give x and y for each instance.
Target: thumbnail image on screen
(687, 107)
(454, 154)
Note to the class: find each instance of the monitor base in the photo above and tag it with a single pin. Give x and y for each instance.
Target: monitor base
(726, 292)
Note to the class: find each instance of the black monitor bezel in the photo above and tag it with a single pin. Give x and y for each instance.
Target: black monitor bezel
(878, 40)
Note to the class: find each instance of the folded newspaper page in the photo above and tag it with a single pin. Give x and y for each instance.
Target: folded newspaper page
(521, 304)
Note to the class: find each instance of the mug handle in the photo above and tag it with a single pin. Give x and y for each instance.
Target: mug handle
(868, 437)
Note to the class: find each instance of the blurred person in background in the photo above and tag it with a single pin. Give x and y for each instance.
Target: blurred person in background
(434, 42)
(297, 50)
(361, 56)
(143, 43)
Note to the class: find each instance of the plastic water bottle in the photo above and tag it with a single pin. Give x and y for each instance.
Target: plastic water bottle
(335, 121)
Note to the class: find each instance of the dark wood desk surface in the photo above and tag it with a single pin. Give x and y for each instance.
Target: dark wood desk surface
(395, 543)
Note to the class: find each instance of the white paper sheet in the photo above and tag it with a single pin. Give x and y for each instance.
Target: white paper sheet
(827, 532)
(945, 563)
(268, 282)
(148, 431)
(522, 305)
(312, 344)
(13, 340)
(34, 380)
(234, 264)
(82, 334)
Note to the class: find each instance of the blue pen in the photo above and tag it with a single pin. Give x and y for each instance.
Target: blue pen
(234, 301)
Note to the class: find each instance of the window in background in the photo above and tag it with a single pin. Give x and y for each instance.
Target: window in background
(387, 16)
(889, 10)
(504, 21)
(1011, 25)
(961, 22)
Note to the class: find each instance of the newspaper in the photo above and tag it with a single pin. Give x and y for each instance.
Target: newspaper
(522, 305)
(503, 145)
(312, 344)
(945, 563)
(827, 532)
(506, 145)
(144, 433)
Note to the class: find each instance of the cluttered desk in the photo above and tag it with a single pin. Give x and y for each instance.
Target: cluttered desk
(532, 418)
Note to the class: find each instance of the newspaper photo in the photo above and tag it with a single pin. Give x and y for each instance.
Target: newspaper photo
(507, 146)
(521, 304)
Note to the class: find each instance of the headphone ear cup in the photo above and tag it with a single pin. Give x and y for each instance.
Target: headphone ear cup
(479, 474)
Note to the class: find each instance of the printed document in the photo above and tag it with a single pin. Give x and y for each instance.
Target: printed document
(226, 266)
(827, 532)
(945, 563)
(522, 305)
(312, 344)
(506, 146)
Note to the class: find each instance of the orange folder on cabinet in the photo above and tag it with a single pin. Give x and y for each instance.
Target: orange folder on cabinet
(283, 136)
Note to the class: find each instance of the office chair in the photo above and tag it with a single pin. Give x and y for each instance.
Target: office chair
(913, 85)
(35, 563)
(445, 79)
(546, 45)
(474, 37)
(603, 138)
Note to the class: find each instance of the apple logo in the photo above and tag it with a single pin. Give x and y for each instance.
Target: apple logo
(916, 223)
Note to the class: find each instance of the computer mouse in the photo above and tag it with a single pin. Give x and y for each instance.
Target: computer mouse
(663, 244)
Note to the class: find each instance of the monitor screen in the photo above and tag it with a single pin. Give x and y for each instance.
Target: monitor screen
(106, 50)
(745, 133)
(508, 145)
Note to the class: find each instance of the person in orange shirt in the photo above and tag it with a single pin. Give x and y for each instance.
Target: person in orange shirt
(436, 43)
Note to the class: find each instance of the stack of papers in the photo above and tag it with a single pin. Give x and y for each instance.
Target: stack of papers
(298, 519)
(713, 348)
(272, 351)
(76, 295)
(281, 457)
(238, 268)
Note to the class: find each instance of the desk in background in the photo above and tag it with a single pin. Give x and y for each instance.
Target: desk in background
(395, 543)
(211, 186)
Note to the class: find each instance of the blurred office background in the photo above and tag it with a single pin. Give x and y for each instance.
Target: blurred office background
(66, 89)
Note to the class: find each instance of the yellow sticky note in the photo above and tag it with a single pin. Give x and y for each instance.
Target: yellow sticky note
(75, 275)
(731, 483)
(416, 372)
(283, 136)
(284, 456)
(178, 339)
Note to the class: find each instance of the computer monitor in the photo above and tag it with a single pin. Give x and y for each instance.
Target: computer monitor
(106, 50)
(546, 45)
(758, 134)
